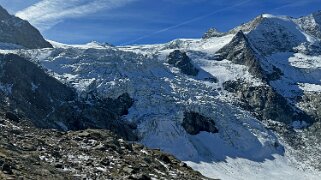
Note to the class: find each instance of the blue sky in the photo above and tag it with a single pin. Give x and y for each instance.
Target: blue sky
(145, 21)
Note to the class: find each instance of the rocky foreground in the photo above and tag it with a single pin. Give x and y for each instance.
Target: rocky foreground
(30, 153)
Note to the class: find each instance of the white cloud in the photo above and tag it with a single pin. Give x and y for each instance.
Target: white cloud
(47, 13)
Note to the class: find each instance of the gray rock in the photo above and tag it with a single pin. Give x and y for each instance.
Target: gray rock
(213, 32)
(241, 51)
(311, 104)
(311, 24)
(7, 168)
(265, 102)
(128, 170)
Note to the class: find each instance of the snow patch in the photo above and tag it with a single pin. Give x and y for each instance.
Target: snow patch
(310, 87)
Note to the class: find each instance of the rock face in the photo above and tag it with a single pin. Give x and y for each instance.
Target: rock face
(311, 24)
(31, 88)
(27, 91)
(239, 51)
(310, 103)
(265, 102)
(30, 153)
(194, 123)
(183, 62)
(14, 30)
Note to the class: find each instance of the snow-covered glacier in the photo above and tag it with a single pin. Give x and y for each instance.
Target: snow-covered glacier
(245, 146)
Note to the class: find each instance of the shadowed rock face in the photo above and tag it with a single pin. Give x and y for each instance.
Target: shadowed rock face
(239, 51)
(14, 30)
(194, 123)
(183, 62)
(27, 91)
(32, 91)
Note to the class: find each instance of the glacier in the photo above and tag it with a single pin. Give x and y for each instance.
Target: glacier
(245, 147)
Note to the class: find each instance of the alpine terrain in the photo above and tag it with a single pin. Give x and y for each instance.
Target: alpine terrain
(242, 104)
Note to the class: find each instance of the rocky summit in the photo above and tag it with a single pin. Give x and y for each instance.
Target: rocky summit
(17, 33)
(241, 104)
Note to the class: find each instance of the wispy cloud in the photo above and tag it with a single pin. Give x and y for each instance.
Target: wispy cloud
(47, 13)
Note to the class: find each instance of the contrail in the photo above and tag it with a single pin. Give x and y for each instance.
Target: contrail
(184, 23)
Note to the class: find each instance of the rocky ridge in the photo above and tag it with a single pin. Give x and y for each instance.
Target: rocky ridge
(16, 31)
(27, 152)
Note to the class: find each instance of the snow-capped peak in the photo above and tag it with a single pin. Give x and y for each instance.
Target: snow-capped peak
(311, 24)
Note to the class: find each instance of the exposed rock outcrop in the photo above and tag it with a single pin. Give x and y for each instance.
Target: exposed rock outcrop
(265, 102)
(311, 104)
(16, 31)
(213, 32)
(183, 62)
(194, 123)
(239, 51)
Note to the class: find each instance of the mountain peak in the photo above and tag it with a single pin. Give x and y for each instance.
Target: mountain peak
(267, 15)
(4, 13)
(16, 31)
(311, 24)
